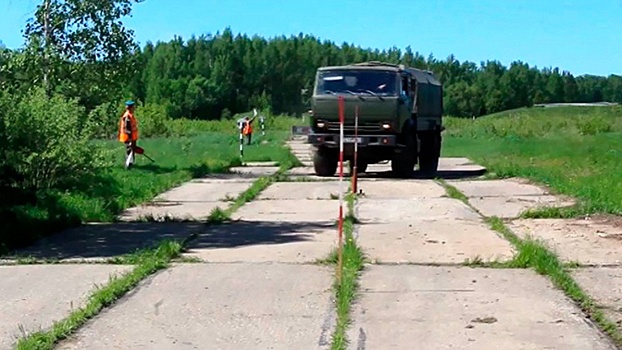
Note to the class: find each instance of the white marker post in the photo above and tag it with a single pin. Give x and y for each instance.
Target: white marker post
(356, 149)
(262, 121)
(240, 128)
(241, 145)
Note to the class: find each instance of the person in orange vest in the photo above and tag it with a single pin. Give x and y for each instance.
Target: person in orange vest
(247, 129)
(128, 132)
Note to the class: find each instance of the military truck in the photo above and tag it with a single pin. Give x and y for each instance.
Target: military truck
(400, 117)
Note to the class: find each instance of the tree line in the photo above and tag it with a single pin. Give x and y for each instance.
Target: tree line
(209, 76)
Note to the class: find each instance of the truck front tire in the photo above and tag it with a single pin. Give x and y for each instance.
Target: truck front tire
(324, 162)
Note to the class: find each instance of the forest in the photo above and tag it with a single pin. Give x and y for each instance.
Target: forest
(217, 75)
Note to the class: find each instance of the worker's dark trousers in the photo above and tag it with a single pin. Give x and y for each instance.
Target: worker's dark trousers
(248, 139)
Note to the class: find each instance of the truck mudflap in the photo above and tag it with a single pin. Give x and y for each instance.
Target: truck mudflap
(332, 140)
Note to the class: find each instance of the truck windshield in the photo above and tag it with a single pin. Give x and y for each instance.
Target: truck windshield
(356, 81)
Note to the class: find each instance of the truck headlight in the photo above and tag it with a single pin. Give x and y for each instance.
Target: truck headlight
(320, 124)
(386, 126)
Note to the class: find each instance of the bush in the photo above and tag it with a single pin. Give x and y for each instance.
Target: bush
(105, 119)
(153, 121)
(47, 140)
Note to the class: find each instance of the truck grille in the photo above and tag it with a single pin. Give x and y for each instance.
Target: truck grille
(350, 127)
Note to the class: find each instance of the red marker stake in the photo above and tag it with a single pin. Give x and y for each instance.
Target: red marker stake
(340, 250)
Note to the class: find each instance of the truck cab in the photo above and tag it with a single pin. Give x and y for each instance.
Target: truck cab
(389, 100)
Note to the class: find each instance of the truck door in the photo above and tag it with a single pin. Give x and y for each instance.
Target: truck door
(405, 98)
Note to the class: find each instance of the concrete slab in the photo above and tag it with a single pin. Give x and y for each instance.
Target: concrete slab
(263, 241)
(305, 171)
(302, 190)
(302, 151)
(165, 210)
(34, 296)
(203, 192)
(498, 188)
(386, 189)
(225, 179)
(585, 241)
(393, 210)
(238, 176)
(379, 168)
(458, 164)
(98, 242)
(257, 171)
(289, 210)
(213, 306)
(604, 285)
(514, 206)
(260, 164)
(438, 241)
(466, 308)
(190, 201)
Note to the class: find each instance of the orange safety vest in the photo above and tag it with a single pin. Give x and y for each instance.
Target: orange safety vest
(123, 137)
(248, 129)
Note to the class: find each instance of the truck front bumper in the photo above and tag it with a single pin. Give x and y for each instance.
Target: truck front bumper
(332, 140)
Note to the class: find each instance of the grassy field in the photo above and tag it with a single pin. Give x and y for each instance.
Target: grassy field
(576, 151)
(211, 147)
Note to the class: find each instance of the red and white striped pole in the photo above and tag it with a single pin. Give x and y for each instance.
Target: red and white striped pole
(340, 225)
(356, 149)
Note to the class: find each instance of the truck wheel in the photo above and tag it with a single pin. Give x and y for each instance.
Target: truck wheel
(324, 163)
(403, 164)
(430, 154)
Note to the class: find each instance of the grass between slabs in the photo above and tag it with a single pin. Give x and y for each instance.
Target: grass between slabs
(345, 292)
(219, 215)
(534, 254)
(148, 262)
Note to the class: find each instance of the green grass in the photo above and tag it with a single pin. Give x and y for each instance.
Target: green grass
(113, 189)
(147, 262)
(575, 151)
(352, 264)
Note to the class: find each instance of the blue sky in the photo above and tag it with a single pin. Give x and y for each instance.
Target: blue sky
(581, 36)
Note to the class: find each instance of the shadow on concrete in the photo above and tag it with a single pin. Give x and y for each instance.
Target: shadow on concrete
(228, 176)
(105, 240)
(101, 241)
(245, 233)
(442, 174)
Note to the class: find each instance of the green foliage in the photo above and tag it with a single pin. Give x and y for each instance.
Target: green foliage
(105, 118)
(47, 140)
(575, 151)
(80, 48)
(101, 195)
(153, 121)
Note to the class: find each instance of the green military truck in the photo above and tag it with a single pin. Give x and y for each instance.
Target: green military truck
(400, 117)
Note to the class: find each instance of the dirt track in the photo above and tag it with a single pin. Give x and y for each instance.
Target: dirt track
(257, 285)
